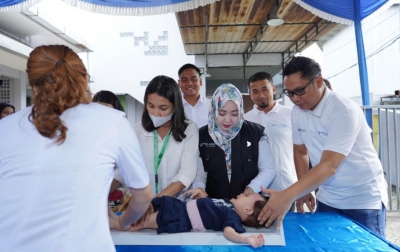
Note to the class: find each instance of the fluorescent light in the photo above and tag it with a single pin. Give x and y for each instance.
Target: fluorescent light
(275, 22)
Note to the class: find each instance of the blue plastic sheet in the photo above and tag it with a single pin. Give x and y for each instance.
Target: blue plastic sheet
(308, 232)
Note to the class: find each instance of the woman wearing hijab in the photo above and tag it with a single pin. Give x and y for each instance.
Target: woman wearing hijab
(235, 156)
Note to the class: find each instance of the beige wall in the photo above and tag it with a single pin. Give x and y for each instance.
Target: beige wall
(12, 60)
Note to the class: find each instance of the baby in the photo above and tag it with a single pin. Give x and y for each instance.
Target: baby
(174, 216)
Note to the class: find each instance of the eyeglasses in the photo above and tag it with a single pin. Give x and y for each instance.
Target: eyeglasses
(299, 91)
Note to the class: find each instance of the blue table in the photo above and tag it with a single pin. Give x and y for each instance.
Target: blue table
(303, 232)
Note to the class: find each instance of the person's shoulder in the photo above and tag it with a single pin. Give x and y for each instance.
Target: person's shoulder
(339, 103)
(98, 109)
(138, 127)
(203, 128)
(296, 109)
(207, 100)
(192, 126)
(19, 117)
(252, 125)
(284, 108)
(250, 112)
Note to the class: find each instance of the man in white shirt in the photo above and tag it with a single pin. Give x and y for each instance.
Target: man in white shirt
(276, 120)
(333, 132)
(195, 105)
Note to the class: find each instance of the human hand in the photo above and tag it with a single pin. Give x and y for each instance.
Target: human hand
(113, 220)
(256, 240)
(196, 193)
(145, 218)
(307, 199)
(248, 191)
(276, 208)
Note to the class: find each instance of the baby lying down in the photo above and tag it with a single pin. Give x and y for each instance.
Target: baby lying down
(174, 216)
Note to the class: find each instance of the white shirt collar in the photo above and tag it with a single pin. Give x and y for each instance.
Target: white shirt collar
(201, 100)
(321, 105)
(275, 109)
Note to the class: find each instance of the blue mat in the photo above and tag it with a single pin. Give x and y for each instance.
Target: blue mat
(303, 232)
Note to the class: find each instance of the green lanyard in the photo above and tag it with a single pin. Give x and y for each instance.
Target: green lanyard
(158, 156)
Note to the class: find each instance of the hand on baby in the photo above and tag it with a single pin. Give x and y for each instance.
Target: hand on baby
(196, 193)
(114, 221)
(256, 240)
(145, 218)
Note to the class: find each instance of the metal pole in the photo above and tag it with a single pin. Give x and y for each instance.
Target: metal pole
(362, 62)
(396, 156)
(244, 75)
(389, 174)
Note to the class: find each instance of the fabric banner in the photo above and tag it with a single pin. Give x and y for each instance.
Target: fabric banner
(137, 7)
(116, 7)
(341, 11)
(17, 5)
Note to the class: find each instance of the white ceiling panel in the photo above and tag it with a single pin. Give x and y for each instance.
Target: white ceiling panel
(28, 28)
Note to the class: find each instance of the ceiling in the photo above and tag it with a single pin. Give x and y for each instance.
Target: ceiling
(234, 75)
(240, 27)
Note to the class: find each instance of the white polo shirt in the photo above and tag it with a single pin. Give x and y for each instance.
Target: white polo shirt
(338, 124)
(277, 123)
(53, 197)
(199, 112)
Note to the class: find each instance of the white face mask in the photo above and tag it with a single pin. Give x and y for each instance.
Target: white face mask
(160, 120)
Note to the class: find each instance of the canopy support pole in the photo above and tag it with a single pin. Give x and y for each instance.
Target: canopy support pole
(362, 62)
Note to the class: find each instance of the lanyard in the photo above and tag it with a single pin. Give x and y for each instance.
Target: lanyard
(158, 156)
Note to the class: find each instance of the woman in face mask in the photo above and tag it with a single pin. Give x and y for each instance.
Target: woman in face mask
(168, 140)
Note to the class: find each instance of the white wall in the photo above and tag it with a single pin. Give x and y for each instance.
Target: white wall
(382, 47)
(11, 60)
(116, 63)
(18, 82)
(134, 110)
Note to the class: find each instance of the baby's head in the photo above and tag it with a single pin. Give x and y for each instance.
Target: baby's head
(252, 219)
(249, 207)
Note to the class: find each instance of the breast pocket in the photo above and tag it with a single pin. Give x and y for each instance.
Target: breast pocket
(209, 162)
(249, 162)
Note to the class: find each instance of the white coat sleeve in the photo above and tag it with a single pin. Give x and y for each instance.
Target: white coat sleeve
(201, 175)
(188, 167)
(130, 161)
(118, 177)
(266, 168)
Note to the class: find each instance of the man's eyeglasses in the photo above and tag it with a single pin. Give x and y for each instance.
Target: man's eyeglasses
(299, 91)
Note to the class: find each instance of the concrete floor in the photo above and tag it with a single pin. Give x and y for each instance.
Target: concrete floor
(393, 221)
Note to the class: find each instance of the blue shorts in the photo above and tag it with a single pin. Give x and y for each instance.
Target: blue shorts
(373, 219)
(172, 215)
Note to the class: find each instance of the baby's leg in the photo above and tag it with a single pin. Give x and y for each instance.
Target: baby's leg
(151, 224)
